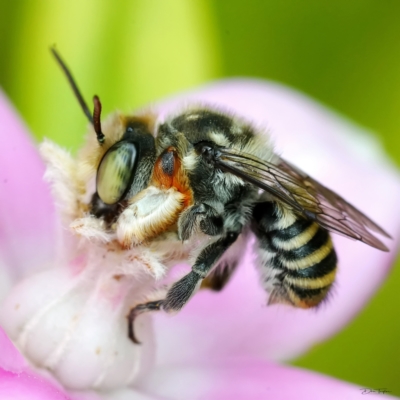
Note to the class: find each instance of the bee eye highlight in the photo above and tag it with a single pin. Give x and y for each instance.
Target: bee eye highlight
(116, 172)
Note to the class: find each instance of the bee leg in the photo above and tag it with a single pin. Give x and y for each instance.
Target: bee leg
(140, 309)
(219, 277)
(182, 290)
(203, 216)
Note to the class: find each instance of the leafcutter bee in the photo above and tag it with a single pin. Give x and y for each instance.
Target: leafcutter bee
(192, 186)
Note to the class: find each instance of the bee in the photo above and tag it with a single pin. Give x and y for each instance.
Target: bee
(193, 187)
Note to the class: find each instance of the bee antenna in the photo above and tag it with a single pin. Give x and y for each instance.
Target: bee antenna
(93, 119)
(96, 119)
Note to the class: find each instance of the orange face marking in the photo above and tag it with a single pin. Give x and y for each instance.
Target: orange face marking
(168, 173)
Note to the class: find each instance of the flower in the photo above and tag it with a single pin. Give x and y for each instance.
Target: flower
(221, 345)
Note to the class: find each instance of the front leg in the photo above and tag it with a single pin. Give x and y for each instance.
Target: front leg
(150, 213)
(181, 291)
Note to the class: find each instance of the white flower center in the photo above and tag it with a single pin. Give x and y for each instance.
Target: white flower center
(72, 321)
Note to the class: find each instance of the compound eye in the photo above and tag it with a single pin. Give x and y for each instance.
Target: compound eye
(116, 172)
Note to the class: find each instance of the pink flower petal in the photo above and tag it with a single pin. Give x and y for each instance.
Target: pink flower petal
(248, 379)
(27, 217)
(24, 386)
(17, 381)
(342, 156)
(244, 379)
(236, 321)
(10, 358)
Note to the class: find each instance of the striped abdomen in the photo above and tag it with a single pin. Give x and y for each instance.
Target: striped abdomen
(298, 260)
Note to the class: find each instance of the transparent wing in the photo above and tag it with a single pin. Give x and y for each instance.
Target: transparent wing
(304, 194)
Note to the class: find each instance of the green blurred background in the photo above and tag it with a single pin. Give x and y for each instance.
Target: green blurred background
(344, 53)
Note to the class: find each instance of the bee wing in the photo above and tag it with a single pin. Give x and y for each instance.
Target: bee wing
(304, 194)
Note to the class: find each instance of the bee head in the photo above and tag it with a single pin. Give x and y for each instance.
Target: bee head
(122, 166)
(125, 167)
(123, 157)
